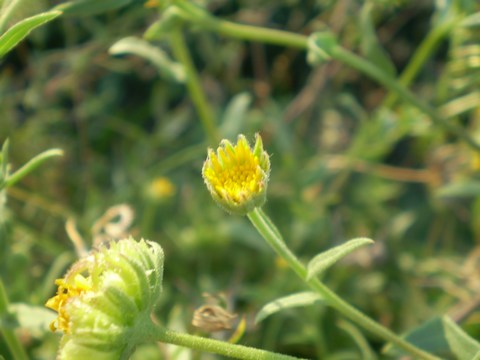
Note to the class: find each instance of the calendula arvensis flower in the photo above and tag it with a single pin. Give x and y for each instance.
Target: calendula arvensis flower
(237, 175)
(105, 300)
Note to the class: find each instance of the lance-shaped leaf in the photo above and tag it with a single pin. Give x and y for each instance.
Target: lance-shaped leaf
(301, 299)
(132, 45)
(370, 45)
(21, 29)
(91, 7)
(323, 261)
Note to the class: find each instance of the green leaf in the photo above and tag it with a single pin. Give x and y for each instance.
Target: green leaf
(4, 163)
(161, 28)
(301, 299)
(34, 318)
(91, 7)
(460, 189)
(233, 119)
(359, 338)
(370, 47)
(460, 343)
(31, 165)
(133, 45)
(21, 29)
(323, 261)
(472, 20)
(320, 47)
(443, 337)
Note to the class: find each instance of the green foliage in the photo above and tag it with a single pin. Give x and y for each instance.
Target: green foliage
(20, 30)
(326, 259)
(291, 301)
(444, 337)
(351, 157)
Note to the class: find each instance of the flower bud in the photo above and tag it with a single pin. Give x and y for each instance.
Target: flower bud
(237, 175)
(105, 300)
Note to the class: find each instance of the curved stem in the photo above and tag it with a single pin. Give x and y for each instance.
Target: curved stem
(205, 113)
(214, 346)
(199, 16)
(31, 165)
(420, 56)
(270, 233)
(392, 84)
(11, 339)
(240, 31)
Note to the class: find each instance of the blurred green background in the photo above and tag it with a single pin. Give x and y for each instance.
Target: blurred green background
(345, 163)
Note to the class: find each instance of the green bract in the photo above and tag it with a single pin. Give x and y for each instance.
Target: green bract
(105, 300)
(237, 175)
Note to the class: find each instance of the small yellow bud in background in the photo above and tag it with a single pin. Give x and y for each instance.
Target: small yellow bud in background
(237, 175)
(160, 188)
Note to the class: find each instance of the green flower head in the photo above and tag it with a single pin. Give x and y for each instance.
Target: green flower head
(105, 299)
(237, 175)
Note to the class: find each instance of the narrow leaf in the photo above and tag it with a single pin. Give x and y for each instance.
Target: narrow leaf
(31, 165)
(359, 338)
(91, 7)
(470, 188)
(21, 29)
(370, 46)
(301, 299)
(233, 119)
(132, 45)
(323, 261)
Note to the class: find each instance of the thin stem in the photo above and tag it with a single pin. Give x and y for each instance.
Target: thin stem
(197, 15)
(255, 33)
(182, 54)
(241, 31)
(31, 165)
(215, 346)
(421, 55)
(269, 232)
(14, 345)
(392, 84)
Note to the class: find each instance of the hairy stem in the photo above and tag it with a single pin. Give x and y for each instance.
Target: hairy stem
(215, 346)
(271, 234)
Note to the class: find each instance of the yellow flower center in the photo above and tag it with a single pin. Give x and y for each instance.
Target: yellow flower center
(65, 292)
(235, 173)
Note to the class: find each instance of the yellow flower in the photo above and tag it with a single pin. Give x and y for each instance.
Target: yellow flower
(106, 299)
(67, 290)
(237, 175)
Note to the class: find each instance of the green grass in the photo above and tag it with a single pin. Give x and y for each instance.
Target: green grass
(350, 158)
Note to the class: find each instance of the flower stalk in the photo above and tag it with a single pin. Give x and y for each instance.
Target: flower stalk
(215, 346)
(194, 87)
(196, 15)
(273, 237)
